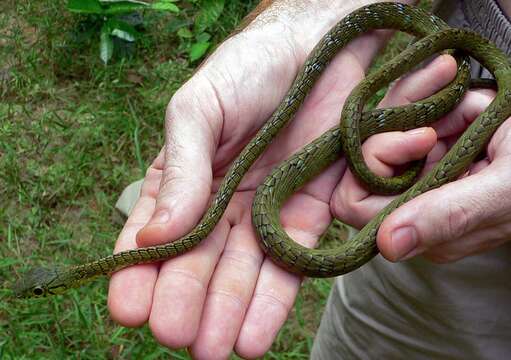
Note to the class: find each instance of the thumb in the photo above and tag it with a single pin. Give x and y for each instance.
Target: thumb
(186, 180)
(439, 216)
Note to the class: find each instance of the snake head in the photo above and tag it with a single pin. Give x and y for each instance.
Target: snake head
(39, 282)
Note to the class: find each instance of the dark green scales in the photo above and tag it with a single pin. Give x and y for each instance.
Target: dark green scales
(355, 126)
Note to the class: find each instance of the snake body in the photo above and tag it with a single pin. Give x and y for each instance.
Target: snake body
(356, 125)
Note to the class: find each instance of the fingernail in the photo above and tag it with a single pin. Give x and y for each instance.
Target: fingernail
(161, 217)
(418, 131)
(404, 241)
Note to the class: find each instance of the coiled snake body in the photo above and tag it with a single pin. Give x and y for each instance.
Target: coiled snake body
(354, 127)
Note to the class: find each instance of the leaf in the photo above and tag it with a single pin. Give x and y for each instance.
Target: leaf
(184, 33)
(122, 7)
(85, 6)
(121, 34)
(121, 29)
(106, 44)
(198, 50)
(107, 2)
(209, 13)
(176, 23)
(164, 6)
(204, 37)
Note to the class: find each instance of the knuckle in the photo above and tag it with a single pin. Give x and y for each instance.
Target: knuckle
(229, 296)
(242, 259)
(273, 301)
(351, 212)
(178, 103)
(197, 103)
(173, 185)
(152, 172)
(458, 221)
(183, 275)
(178, 177)
(174, 173)
(339, 206)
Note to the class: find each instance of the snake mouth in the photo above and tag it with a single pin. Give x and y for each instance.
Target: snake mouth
(34, 283)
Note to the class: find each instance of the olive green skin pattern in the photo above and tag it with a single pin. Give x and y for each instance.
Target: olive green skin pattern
(355, 126)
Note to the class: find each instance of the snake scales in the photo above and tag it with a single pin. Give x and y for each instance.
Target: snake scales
(355, 126)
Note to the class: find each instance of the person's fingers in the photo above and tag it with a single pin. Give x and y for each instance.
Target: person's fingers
(229, 292)
(272, 300)
(500, 143)
(421, 83)
(351, 201)
(130, 290)
(181, 288)
(456, 121)
(473, 243)
(388, 150)
(276, 289)
(192, 132)
(455, 209)
(185, 283)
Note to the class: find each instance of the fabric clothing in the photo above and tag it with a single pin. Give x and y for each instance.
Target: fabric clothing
(482, 16)
(420, 310)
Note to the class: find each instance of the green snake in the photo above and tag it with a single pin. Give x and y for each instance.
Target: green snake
(355, 126)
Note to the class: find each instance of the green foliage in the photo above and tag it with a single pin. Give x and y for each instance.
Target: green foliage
(210, 11)
(195, 27)
(118, 7)
(200, 46)
(106, 44)
(193, 21)
(73, 134)
(85, 7)
(110, 12)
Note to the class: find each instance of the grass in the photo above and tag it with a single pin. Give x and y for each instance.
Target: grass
(73, 133)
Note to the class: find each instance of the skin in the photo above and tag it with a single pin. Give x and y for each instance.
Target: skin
(225, 295)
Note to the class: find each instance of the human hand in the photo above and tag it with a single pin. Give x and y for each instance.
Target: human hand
(465, 217)
(224, 294)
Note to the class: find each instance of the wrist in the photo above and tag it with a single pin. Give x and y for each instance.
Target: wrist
(302, 23)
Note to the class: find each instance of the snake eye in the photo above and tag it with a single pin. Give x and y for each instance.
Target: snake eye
(38, 291)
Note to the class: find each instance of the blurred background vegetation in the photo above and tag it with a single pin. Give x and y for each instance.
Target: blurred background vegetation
(73, 133)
